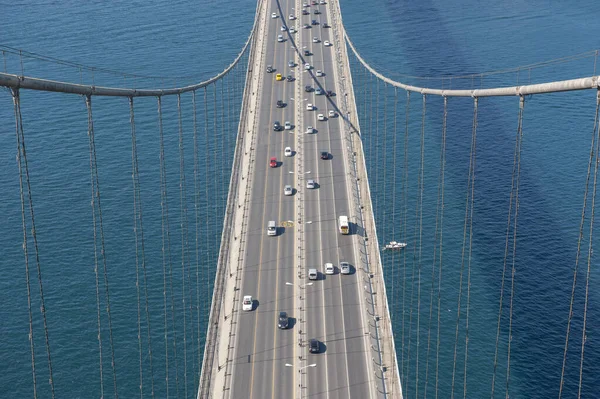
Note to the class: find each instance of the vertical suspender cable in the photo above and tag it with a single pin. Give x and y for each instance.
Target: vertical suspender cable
(99, 225)
(394, 221)
(182, 218)
(207, 235)
(439, 290)
(420, 222)
(404, 233)
(385, 141)
(139, 243)
(88, 103)
(215, 191)
(596, 130)
(375, 150)
(474, 156)
(587, 276)
(164, 261)
(197, 241)
(506, 247)
(24, 170)
(17, 109)
(166, 237)
(437, 234)
(464, 245)
(512, 279)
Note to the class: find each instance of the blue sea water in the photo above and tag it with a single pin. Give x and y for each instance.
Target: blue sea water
(182, 42)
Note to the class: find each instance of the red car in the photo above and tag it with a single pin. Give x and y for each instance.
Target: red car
(273, 162)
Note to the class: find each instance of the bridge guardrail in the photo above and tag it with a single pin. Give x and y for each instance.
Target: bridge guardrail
(213, 336)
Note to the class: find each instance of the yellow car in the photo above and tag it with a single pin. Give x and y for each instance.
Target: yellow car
(278, 77)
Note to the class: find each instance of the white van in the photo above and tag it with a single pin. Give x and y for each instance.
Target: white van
(272, 228)
(313, 274)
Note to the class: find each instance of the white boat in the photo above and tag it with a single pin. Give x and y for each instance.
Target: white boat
(393, 245)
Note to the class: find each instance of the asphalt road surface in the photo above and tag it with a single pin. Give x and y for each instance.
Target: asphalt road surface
(333, 313)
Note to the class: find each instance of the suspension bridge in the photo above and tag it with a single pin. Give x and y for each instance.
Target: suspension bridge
(181, 206)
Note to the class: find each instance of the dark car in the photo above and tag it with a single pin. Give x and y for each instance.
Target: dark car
(324, 155)
(306, 26)
(306, 53)
(317, 12)
(283, 320)
(280, 104)
(313, 346)
(270, 69)
(329, 93)
(308, 89)
(325, 25)
(314, 22)
(277, 126)
(290, 78)
(305, 12)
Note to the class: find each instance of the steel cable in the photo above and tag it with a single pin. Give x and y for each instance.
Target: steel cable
(140, 247)
(437, 232)
(24, 169)
(506, 247)
(404, 231)
(579, 239)
(17, 110)
(464, 245)
(474, 156)
(512, 279)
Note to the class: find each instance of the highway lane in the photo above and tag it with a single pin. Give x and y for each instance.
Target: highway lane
(333, 310)
(261, 349)
(334, 316)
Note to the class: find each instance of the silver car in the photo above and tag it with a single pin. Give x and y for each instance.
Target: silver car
(310, 183)
(288, 190)
(344, 268)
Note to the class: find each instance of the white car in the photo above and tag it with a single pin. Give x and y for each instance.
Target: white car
(326, 43)
(310, 184)
(291, 17)
(288, 151)
(247, 302)
(322, 2)
(309, 107)
(320, 73)
(329, 268)
(310, 130)
(283, 28)
(288, 125)
(321, 117)
(279, 38)
(344, 267)
(274, 15)
(292, 29)
(315, 40)
(288, 190)
(332, 113)
(307, 66)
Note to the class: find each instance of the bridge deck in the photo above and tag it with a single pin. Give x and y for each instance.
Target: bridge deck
(263, 360)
